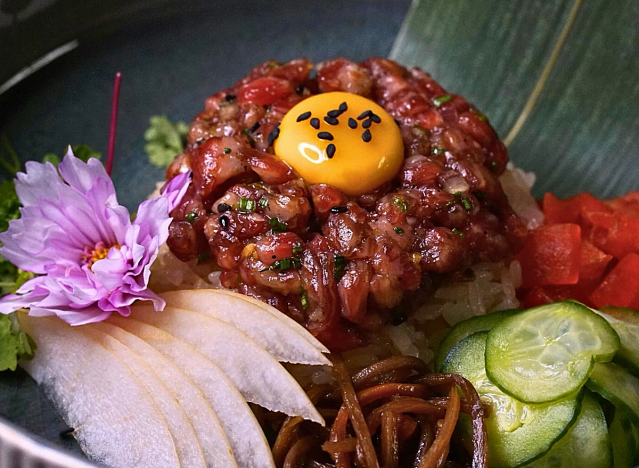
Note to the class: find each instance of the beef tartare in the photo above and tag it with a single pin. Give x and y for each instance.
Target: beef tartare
(341, 264)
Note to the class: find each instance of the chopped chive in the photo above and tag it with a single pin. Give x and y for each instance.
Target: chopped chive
(263, 203)
(438, 150)
(246, 204)
(304, 299)
(398, 230)
(277, 225)
(191, 217)
(458, 232)
(401, 203)
(438, 101)
(467, 203)
(297, 248)
(272, 64)
(227, 150)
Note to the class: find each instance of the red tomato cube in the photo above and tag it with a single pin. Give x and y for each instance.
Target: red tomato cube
(568, 211)
(551, 255)
(616, 234)
(620, 287)
(593, 262)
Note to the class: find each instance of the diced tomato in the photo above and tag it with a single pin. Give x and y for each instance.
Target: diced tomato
(541, 295)
(593, 262)
(568, 211)
(614, 233)
(627, 204)
(264, 91)
(551, 256)
(621, 286)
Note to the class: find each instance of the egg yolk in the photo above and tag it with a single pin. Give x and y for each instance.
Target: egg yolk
(343, 140)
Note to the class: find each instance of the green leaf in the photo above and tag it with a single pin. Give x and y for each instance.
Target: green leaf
(165, 140)
(558, 80)
(9, 204)
(85, 152)
(15, 344)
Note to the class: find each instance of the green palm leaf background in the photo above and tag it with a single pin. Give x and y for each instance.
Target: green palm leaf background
(559, 80)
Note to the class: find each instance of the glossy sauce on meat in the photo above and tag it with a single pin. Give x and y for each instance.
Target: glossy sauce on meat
(341, 265)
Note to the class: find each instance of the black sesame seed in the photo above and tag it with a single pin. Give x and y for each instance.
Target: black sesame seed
(224, 222)
(325, 136)
(223, 207)
(330, 151)
(304, 116)
(254, 127)
(375, 118)
(352, 122)
(339, 209)
(366, 136)
(364, 114)
(334, 113)
(331, 120)
(343, 107)
(315, 123)
(366, 123)
(300, 89)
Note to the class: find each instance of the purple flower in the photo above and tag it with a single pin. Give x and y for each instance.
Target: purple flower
(92, 260)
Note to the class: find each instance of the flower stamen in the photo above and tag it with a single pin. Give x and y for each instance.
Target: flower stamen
(99, 252)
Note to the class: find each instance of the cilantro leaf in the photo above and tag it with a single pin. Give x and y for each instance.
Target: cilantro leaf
(15, 344)
(82, 152)
(9, 204)
(165, 140)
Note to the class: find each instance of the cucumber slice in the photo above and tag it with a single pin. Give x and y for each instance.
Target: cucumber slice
(547, 353)
(466, 328)
(625, 446)
(517, 432)
(586, 444)
(618, 386)
(628, 331)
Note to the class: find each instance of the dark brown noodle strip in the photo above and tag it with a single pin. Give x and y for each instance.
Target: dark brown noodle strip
(438, 451)
(298, 451)
(389, 440)
(347, 445)
(376, 371)
(480, 443)
(403, 405)
(426, 439)
(355, 412)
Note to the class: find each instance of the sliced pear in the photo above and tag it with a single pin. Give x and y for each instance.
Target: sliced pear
(278, 315)
(285, 343)
(255, 373)
(242, 429)
(116, 422)
(215, 446)
(186, 441)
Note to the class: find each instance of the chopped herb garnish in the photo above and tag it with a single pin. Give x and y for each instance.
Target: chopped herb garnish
(263, 203)
(468, 205)
(458, 232)
(191, 217)
(272, 64)
(227, 150)
(277, 225)
(398, 230)
(438, 101)
(304, 299)
(401, 203)
(246, 204)
(285, 264)
(340, 266)
(298, 249)
(164, 140)
(438, 150)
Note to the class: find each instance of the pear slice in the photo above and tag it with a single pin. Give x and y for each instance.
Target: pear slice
(285, 343)
(255, 373)
(242, 429)
(116, 422)
(278, 315)
(186, 441)
(215, 446)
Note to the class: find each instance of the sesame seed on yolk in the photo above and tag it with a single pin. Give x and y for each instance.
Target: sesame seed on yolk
(356, 162)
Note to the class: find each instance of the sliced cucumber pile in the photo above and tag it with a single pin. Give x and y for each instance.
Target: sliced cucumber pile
(548, 352)
(466, 328)
(531, 368)
(587, 444)
(517, 432)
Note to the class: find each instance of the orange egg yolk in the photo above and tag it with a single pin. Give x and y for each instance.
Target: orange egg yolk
(343, 140)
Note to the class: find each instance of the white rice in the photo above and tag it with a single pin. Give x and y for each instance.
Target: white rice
(492, 288)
